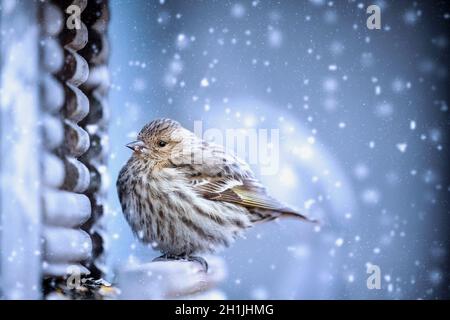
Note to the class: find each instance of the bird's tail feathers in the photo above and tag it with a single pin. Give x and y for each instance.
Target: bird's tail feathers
(297, 215)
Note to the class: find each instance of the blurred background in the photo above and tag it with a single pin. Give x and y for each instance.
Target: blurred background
(363, 118)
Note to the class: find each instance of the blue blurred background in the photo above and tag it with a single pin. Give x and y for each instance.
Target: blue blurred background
(362, 115)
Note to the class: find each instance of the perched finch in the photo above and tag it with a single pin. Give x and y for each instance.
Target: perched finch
(187, 196)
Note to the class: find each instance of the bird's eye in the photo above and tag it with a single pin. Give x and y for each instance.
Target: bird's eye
(162, 143)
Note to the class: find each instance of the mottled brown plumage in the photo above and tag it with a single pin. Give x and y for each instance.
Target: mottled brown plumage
(188, 196)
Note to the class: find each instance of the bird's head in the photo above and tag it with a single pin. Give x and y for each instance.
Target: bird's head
(159, 141)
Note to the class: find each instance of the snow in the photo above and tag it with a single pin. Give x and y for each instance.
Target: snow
(238, 10)
(363, 127)
(402, 147)
(204, 82)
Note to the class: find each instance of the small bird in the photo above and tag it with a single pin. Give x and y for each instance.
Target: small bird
(187, 196)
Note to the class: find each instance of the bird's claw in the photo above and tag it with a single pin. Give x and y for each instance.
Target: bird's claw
(167, 257)
(200, 260)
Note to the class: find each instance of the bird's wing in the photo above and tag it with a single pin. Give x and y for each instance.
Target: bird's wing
(248, 193)
(221, 176)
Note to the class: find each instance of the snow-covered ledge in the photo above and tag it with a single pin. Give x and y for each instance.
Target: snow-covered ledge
(171, 280)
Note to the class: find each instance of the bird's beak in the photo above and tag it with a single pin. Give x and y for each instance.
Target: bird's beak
(137, 145)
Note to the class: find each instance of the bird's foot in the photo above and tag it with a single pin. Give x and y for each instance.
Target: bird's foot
(168, 257)
(200, 260)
